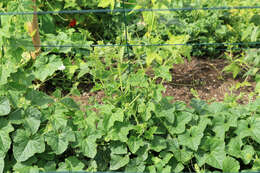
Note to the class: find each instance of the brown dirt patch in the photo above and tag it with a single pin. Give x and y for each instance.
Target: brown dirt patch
(206, 78)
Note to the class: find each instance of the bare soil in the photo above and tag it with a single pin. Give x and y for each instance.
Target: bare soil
(207, 79)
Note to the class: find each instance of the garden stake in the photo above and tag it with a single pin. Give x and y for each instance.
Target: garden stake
(33, 29)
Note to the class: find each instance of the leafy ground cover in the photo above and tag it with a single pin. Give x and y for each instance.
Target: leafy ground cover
(82, 108)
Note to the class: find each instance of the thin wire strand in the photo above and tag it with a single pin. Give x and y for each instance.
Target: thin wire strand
(145, 45)
(128, 10)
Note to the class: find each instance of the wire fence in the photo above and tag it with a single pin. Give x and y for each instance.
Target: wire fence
(124, 11)
(128, 10)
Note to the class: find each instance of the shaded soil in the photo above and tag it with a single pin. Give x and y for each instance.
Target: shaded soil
(203, 76)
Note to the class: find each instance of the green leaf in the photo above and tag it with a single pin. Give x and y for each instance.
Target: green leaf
(16, 117)
(182, 118)
(234, 147)
(216, 107)
(166, 109)
(233, 68)
(215, 151)
(59, 118)
(32, 119)
(48, 24)
(70, 103)
(5, 107)
(135, 166)
(111, 118)
(49, 166)
(2, 165)
(106, 3)
(230, 165)
(22, 166)
(5, 140)
(38, 98)
(158, 144)
(200, 106)
(117, 147)
(84, 68)
(89, 146)
(247, 154)
(182, 155)
(191, 138)
(134, 143)
(59, 139)
(166, 157)
(25, 145)
(256, 165)
(177, 166)
(46, 66)
(150, 57)
(5, 70)
(163, 72)
(139, 79)
(119, 132)
(118, 162)
(28, 169)
(73, 164)
(221, 124)
(249, 127)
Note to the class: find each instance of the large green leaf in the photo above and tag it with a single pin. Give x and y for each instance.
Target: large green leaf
(46, 66)
(16, 117)
(134, 143)
(117, 147)
(191, 138)
(158, 144)
(5, 107)
(59, 139)
(235, 149)
(249, 127)
(214, 152)
(134, 166)
(200, 106)
(182, 118)
(216, 108)
(118, 161)
(230, 165)
(247, 153)
(256, 165)
(73, 164)
(59, 118)
(111, 118)
(163, 72)
(89, 146)
(25, 145)
(6, 69)
(119, 132)
(139, 79)
(138, 163)
(5, 140)
(222, 122)
(38, 98)
(182, 155)
(32, 119)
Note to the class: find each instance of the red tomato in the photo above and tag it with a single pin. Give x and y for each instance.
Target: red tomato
(72, 23)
